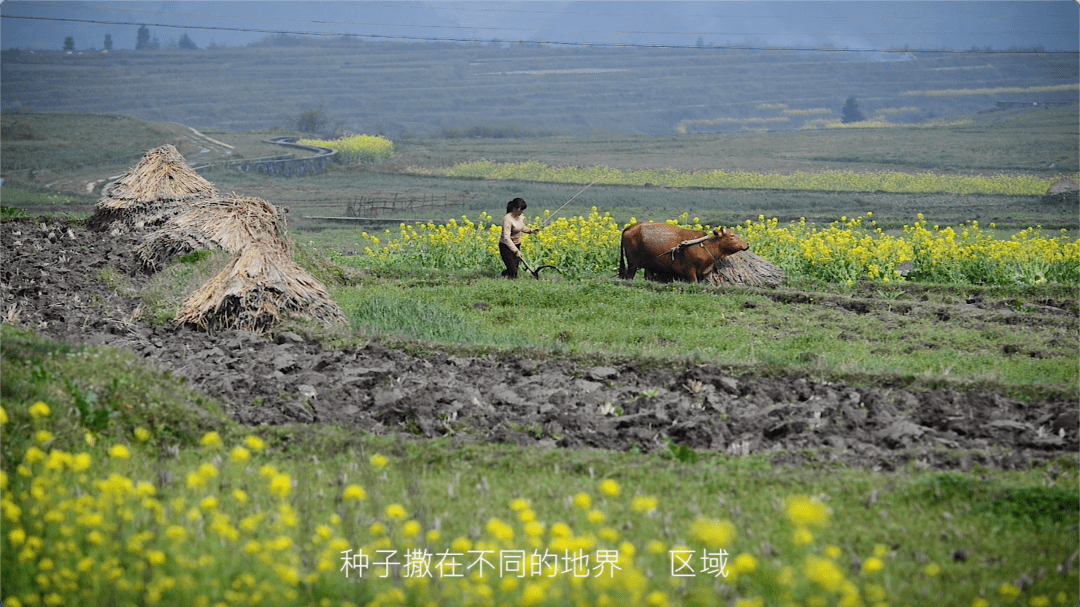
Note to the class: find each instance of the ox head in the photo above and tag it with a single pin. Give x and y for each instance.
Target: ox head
(728, 241)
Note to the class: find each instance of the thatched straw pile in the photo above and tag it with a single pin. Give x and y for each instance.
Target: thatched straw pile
(1062, 191)
(745, 268)
(230, 225)
(160, 186)
(260, 283)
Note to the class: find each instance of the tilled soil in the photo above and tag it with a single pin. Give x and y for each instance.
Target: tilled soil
(51, 274)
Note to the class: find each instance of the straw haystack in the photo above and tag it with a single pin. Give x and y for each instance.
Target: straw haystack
(228, 224)
(745, 268)
(260, 283)
(1062, 191)
(160, 186)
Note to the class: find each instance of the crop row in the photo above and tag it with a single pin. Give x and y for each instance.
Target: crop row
(842, 253)
(836, 181)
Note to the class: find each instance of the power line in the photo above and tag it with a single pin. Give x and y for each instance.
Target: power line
(475, 9)
(642, 32)
(551, 42)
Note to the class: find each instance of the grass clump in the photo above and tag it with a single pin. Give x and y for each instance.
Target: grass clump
(102, 392)
(1022, 505)
(169, 288)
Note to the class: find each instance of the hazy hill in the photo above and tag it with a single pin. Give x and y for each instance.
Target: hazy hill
(399, 89)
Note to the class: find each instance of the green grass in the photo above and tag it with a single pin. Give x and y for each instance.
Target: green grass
(168, 289)
(17, 197)
(824, 333)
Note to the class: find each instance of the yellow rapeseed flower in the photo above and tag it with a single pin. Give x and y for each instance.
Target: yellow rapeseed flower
(42, 436)
(609, 488)
(17, 536)
(744, 563)
(499, 530)
(239, 454)
(560, 530)
(156, 558)
(713, 533)
(803, 511)
(395, 512)
(254, 443)
(175, 533)
(411, 528)
(872, 565)
(39, 410)
(142, 434)
(379, 461)
(643, 503)
(280, 485)
(802, 536)
(211, 440)
(656, 598)
(532, 595)
(823, 572)
(119, 452)
(354, 492)
(1009, 591)
(3, 416)
(534, 529)
(582, 500)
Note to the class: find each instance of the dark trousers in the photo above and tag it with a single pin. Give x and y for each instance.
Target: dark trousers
(510, 260)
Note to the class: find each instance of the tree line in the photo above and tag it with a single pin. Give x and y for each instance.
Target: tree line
(143, 41)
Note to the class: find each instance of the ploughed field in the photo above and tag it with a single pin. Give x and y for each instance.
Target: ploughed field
(50, 282)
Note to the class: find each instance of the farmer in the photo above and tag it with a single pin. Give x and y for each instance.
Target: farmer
(513, 226)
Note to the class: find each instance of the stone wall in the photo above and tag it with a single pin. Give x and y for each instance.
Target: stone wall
(286, 165)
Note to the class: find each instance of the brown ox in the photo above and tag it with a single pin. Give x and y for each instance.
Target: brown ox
(666, 250)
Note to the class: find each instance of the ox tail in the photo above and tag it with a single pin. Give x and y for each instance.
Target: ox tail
(622, 257)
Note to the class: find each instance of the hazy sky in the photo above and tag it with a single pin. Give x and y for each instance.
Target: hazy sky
(868, 24)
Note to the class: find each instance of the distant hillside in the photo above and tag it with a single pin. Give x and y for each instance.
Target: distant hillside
(402, 89)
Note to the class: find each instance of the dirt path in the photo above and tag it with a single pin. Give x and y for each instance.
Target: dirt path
(49, 274)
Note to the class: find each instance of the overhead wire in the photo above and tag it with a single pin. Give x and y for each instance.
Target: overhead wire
(448, 7)
(414, 38)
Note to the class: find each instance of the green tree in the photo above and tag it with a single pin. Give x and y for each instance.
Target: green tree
(142, 38)
(108, 42)
(312, 120)
(851, 112)
(186, 43)
(69, 44)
